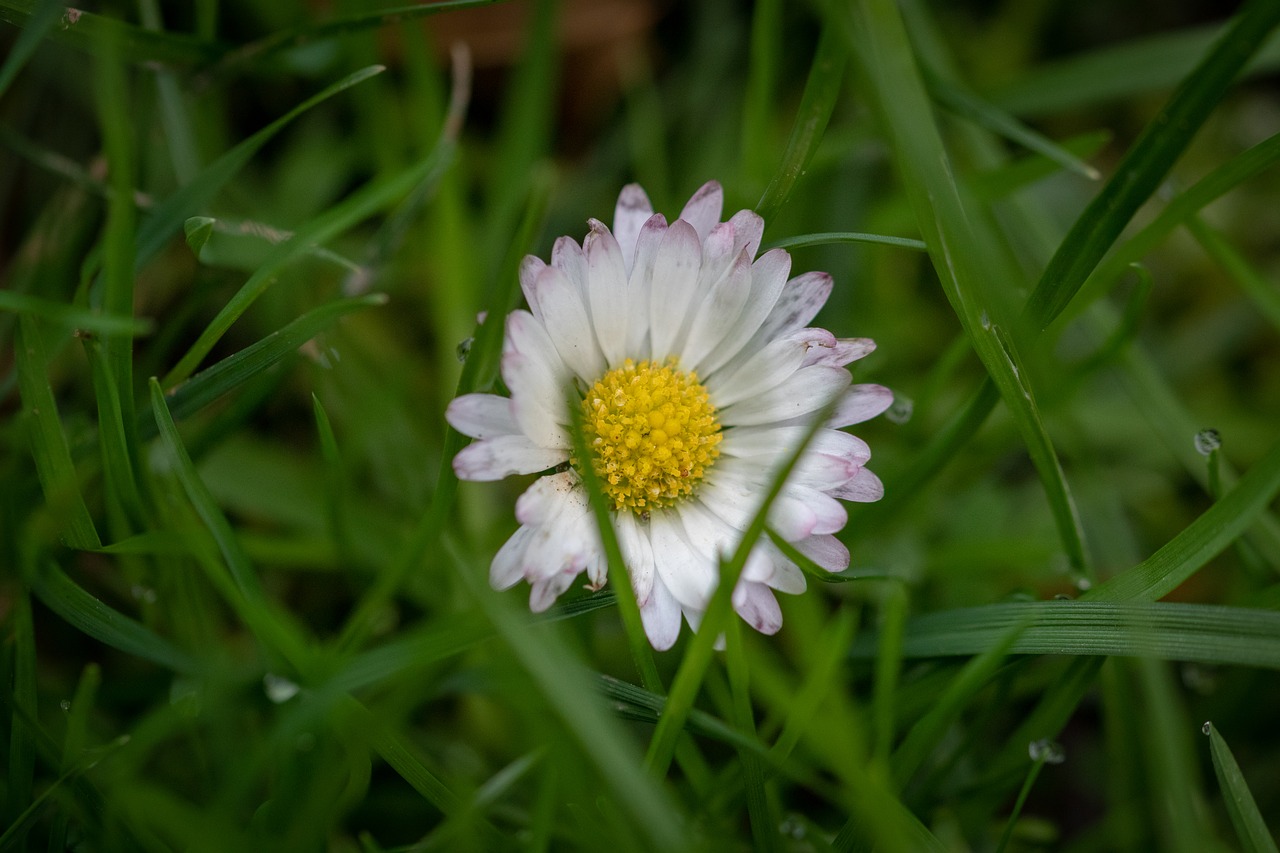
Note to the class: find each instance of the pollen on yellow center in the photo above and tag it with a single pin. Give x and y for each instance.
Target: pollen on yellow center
(653, 434)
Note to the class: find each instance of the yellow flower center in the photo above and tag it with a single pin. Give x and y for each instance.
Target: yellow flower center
(653, 434)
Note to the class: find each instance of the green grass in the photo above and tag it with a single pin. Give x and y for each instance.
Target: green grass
(244, 249)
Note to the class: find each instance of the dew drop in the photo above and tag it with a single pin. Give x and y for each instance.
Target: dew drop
(1207, 441)
(1046, 751)
(145, 594)
(464, 348)
(278, 688)
(65, 704)
(901, 410)
(1084, 584)
(1207, 727)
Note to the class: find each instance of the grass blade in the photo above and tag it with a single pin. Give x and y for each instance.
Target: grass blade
(804, 241)
(48, 443)
(1251, 829)
(1148, 161)
(34, 30)
(105, 624)
(1211, 634)
(81, 319)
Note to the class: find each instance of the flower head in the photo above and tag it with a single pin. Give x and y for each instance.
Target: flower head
(697, 373)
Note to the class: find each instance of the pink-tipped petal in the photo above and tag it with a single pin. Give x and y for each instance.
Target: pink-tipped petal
(504, 456)
(703, 209)
(481, 416)
(864, 487)
(825, 550)
(629, 215)
(860, 403)
(758, 607)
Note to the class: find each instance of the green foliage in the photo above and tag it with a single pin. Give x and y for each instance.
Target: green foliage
(250, 252)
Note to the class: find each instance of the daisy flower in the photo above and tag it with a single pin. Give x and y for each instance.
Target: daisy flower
(697, 374)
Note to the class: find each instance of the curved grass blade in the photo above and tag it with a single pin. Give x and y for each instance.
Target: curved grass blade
(1148, 161)
(105, 624)
(804, 241)
(1262, 292)
(166, 218)
(362, 204)
(80, 319)
(1201, 541)
(48, 443)
(826, 75)
(1251, 829)
(962, 256)
(36, 27)
(277, 633)
(1205, 633)
(341, 26)
(234, 370)
(92, 33)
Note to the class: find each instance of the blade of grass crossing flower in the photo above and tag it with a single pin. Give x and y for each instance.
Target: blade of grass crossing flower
(804, 241)
(478, 372)
(962, 255)
(1249, 824)
(559, 677)
(693, 667)
(926, 735)
(826, 76)
(276, 633)
(57, 474)
(764, 820)
(1263, 293)
(1201, 541)
(1210, 634)
(1149, 161)
(166, 219)
(105, 624)
(45, 14)
(619, 574)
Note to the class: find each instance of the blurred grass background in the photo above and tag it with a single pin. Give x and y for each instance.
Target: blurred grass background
(244, 605)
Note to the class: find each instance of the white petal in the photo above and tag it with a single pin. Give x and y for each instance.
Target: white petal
(503, 456)
(757, 606)
(688, 575)
(630, 214)
(661, 617)
(718, 313)
(633, 541)
(703, 209)
(807, 390)
(675, 276)
(565, 543)
(481, 416)
(779, 442)
(530, 268)
(829, 514)
(567, 256)
(607, 281)
(825, 550)
(508, 564)
(841, 352)
(569, 327)
(768, 275)
(545, 590)
(548, 497)
(864, 487)
(640, 283)
(749, 228)
(767, 368)
(798, 303)
(860, 403)
(538, 380)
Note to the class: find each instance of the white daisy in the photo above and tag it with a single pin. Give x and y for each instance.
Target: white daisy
(696, 371)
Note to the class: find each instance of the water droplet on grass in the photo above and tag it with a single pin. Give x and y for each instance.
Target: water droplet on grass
(1207, 441)
(901, 410)
(1046, 751)
(278, 688)
(1207, 727)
